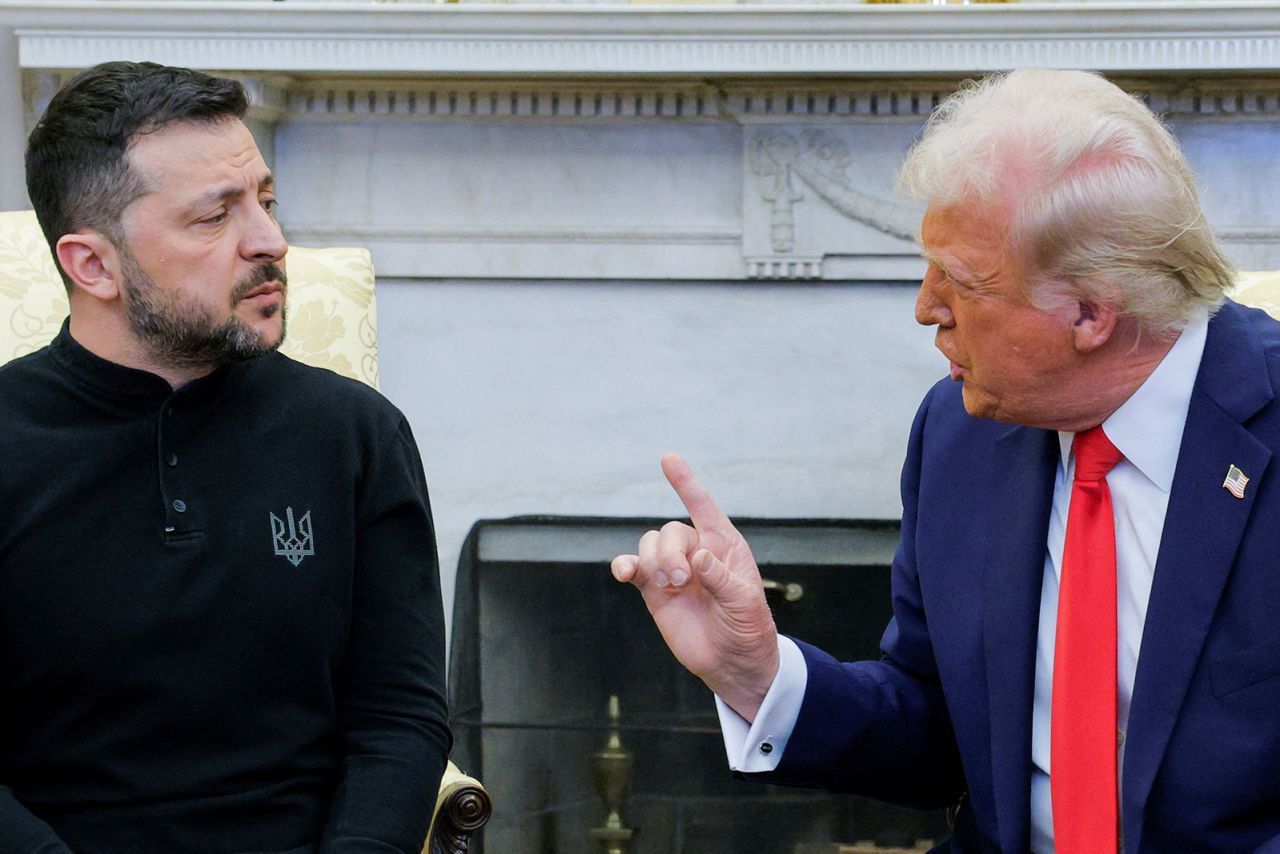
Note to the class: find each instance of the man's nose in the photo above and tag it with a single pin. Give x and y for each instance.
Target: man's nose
(264, 241)
(931, 307)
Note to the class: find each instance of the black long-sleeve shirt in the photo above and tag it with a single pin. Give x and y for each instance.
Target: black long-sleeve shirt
(220, 616)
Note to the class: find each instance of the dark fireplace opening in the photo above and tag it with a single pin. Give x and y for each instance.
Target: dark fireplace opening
(543, 637)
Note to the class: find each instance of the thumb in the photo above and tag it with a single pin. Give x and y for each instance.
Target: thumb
(712, 572)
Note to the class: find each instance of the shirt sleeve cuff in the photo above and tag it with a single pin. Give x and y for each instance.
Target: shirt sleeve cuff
(758, 746)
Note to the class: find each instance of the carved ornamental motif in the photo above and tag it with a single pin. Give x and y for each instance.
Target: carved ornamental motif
(465, 810)
(789, 166)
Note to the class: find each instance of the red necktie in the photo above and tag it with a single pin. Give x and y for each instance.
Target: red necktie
(1082, 747)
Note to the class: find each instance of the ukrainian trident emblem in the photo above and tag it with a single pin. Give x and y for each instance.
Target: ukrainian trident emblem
(293, 541)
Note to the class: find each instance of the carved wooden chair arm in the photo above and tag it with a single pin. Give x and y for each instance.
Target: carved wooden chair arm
(462, 808)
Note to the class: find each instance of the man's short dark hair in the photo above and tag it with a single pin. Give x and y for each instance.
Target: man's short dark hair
(77, 172)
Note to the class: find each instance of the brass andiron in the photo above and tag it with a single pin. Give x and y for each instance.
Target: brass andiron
(611, 769)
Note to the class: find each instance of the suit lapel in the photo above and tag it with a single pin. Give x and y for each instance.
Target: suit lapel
(1202, 530)
(1022, 496)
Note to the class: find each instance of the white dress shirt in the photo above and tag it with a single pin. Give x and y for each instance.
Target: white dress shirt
(1147, 429)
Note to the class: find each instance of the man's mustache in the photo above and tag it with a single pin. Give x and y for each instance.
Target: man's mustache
(262, 275)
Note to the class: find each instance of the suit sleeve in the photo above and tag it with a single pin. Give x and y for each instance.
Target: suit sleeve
(23, 833)
(881, 728)
(393, 718)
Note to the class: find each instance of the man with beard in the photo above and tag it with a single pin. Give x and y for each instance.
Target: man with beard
(220, 616)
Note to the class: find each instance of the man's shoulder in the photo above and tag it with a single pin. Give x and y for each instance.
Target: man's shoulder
(1238, 336)
(299, 373)
(326, 394)
(1260, 324)
(20, 374)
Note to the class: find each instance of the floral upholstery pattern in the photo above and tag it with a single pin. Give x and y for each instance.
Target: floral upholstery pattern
(32, 300)
(332, 310)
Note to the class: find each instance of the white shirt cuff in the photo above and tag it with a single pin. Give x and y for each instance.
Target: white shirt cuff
(758, 746)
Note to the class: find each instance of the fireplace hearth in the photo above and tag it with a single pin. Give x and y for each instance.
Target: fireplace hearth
(543, 637)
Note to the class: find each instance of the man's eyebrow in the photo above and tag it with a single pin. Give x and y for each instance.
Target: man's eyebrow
(950, 267)
(933, 259)
(229, 191)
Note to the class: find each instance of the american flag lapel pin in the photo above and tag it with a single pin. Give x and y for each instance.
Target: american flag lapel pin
(1236, 482)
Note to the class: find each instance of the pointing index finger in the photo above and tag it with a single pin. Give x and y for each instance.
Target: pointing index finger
(705, 514)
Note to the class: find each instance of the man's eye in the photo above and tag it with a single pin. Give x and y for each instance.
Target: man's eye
(216, 219)
(270, 205)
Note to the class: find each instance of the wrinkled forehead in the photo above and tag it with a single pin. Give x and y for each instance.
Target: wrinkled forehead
(185, 152)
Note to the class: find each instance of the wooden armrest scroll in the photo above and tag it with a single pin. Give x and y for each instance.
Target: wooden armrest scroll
(462, 808)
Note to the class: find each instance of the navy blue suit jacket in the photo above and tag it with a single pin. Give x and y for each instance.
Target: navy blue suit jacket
(947, 710)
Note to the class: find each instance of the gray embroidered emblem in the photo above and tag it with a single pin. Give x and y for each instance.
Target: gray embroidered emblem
(292, 542)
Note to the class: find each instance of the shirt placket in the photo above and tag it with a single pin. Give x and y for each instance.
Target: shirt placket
(180, 507)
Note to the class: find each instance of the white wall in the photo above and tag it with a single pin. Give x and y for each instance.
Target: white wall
(788, 400)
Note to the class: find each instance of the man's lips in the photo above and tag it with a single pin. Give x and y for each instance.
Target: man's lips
(957, 371)
(265, 289)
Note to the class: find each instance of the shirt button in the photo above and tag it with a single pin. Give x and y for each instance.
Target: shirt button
(172, 459)
(766, 748)
(1119, 738)
(180, 505)
(168, 410)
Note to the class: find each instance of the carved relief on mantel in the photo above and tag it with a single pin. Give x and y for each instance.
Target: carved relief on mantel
(871, 233)
(345, 98)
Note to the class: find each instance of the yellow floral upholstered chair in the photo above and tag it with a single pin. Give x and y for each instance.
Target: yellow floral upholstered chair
(332, 314)
(1260, 290)
(332, 324)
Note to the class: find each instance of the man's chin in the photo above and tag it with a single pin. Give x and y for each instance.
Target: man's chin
(976, 403)
(270, 343)
(982, 404)
(273, 337)
(239, 342)
(269, 329)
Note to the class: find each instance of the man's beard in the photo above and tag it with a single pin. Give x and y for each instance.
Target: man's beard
(180, 332)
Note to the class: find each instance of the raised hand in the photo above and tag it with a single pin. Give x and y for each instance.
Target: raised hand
(702, 586)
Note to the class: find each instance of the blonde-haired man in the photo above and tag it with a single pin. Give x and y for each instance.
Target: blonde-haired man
(1084, 653)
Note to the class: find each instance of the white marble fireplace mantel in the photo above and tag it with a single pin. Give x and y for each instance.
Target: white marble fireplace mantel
(614, 141)
(318, 38)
